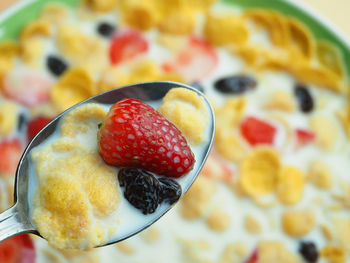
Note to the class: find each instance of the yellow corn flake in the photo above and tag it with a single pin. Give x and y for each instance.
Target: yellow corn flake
(281, 100)
(342, 233)
(196, 201)
(142, 71)
(181, 23)
(101, 5)
(187, 111)
(82, 50)
(298, 223)
(320, 175)
(229, 145)
(329, 56)
(252, 225)
(35, 28)
(224, 29)
(142, 15)
(200, 5)
(301, 40)
(325, 130)
(8, 117)
(290, 187)
(234, 252)
(112, 78)
(54, 13)
(6, 64)
(172, 42)
(274, 251)
(344, 117)
(218, 220)
(327, 233)
(274, 23)
(31, 51)
(258, 173)
(231, 113)
(333, 254)
(74, 86)
(9, 49)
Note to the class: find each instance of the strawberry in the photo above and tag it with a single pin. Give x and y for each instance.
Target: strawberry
(194, 62)
(257, 131)
(35, 125)
(304, 137)
(127, 45)
(17, 249)
(254, 257)
(136, 135)
(26, 86)
(217, 168)
(10, 154)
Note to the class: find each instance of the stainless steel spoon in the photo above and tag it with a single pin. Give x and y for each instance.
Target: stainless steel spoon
(16, 220)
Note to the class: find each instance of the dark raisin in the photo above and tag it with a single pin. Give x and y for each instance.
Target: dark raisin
(309, 251)
(105, 29)
(305, 100)
(236, 84)
(22, 119)
(198, 86)
(141, 189)
(56, 65)
(170, 190)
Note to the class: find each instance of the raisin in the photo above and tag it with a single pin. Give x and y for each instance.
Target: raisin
(236, 84)
(56, 65)
(198, 86)
(305, 100)
(105, 29)
(309, 251)
(141, 189)
(170, 190)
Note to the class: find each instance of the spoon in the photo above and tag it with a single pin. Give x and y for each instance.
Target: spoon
(16, 220)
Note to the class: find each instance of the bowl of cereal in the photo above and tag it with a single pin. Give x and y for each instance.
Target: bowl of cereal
(275, 187)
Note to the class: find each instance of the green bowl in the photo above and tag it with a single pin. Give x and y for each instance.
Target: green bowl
(15, 17)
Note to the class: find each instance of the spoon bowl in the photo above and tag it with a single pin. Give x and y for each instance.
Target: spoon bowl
(16, 220)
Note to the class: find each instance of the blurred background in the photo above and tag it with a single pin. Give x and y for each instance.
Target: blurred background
(338, 13)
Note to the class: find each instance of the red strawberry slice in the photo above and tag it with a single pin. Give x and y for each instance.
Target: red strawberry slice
(216, 167)
(195, 62)
(304, 137)
(26, 86)
(18, 249)
(136, 135)
(127, 45)
(254, 257)
(35, 125)
(10, 153)
(257, 131)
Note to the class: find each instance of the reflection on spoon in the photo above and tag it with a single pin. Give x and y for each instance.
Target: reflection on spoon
(16, 220)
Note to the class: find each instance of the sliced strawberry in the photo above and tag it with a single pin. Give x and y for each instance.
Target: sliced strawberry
(195, 62)
(136, 135)
(35, 125)
(257, 131)
(127, 45)
(18, 249)
(10, 153)
(304, 137)
(254, 257)
(26, 86)
(217, 168)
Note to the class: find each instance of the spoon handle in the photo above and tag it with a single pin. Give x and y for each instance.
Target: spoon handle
(10, 223)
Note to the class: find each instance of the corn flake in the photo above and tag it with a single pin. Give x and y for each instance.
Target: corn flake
(344, 117)
(258, 174)
(111, 78)
(298, 223)
(333, 254)
(178, 23)
(8, 117)
(74, 86)
(224, 29)
(274, 251)
(320, 175)
(35, 28)
(101, 5)
(252, 225)
(290, 185)
(325, 130)
(218, 220)
(31, 51)
(281, 100)
(54, 13)
(329, 56)
(8, 49)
